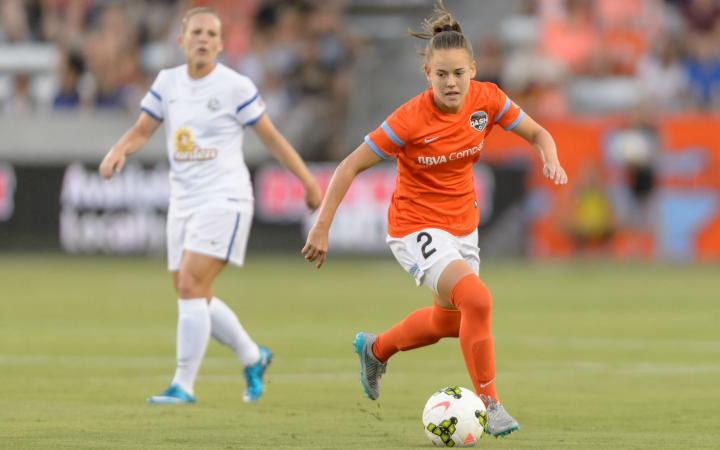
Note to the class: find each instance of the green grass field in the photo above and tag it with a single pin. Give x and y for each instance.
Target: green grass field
(588, 356)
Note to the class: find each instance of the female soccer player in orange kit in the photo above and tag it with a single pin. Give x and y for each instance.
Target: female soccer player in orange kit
(433, 217)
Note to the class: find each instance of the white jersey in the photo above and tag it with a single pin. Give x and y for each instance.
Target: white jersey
(204, 125)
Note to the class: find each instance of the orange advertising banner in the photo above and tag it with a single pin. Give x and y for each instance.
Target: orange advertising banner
(638, 188)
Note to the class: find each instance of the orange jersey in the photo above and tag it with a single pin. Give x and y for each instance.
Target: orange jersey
(435, 152)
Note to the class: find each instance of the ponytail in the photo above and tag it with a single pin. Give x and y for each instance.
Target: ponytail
(442, 31)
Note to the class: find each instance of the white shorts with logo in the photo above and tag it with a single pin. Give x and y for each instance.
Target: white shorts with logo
(426, 253)
(220, 233)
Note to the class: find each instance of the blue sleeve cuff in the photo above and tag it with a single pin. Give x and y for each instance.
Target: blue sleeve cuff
(503, 110)
(240, 108)
(252, 122)
(151, 114)
(516, 121)
(391, 134)
(375, 148)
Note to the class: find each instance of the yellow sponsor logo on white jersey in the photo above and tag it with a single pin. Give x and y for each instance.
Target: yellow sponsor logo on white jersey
(186, 150)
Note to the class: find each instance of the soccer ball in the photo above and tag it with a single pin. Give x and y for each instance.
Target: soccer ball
(454, 417)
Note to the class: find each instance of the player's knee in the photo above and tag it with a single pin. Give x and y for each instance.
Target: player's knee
(189, 286)
(472, 297)
(480, 306)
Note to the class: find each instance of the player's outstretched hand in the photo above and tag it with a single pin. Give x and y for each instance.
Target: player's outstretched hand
(316, 246)
(111, 164)
(553, 171)
(313, 196)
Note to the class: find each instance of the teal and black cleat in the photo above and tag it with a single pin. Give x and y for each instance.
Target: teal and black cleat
(174, 395)
(254, 376)
(371, 369)
(499, 422)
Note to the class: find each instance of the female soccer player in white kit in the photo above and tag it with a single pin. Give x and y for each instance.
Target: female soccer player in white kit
(205, 107)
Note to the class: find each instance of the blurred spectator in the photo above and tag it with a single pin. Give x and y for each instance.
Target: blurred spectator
(544, 98)
(72, 67)
(531, 77)
(571, 36)
(324, 79)
(521, 30)
(488, 57)
(272, 61)
(158, 33)
(300, 57)
(14, 21)
(63, 21)
(628, 27)
(703, 69)
(275, 54)
(623, 46)
(701, 15)
(112, 58)
(20, 101)
(591, 220)
(633, 153)
(663, 77)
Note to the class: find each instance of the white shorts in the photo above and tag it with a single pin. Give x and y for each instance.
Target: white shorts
(426, 253)
(220, 233)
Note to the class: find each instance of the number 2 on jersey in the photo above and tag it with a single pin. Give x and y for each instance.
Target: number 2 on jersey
(426, 252)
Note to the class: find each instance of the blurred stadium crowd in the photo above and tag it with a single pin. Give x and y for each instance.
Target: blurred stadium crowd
(568, 56)
(555, 57)
(64, 55)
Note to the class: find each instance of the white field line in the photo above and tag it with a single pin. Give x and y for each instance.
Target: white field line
(333, 368)
(638, 368)
(151, 361)
(610, 343)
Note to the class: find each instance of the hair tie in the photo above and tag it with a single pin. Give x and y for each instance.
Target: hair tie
(447, 28)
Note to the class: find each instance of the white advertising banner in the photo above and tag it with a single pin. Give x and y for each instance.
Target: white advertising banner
(121, 216)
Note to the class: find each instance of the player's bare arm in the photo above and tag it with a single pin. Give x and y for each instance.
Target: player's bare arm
(360, 159)
(543, 142)
(281, 150)
(130, 142)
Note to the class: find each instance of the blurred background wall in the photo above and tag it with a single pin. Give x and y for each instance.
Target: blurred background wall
(629, 88)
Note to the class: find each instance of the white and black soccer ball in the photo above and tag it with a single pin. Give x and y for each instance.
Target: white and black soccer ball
(454, 417)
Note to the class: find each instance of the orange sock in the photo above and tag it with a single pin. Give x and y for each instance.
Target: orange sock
(472, 298)
(421, 327)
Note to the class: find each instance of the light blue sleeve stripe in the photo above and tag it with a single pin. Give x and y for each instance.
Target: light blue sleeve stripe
(375, 148)
(516, 121)
(393, 137)
(151, 114)
(156, 95)
(239, 108)
(503, 110)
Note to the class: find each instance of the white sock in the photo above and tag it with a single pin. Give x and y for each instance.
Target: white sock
(226, 328)
(193, 334)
